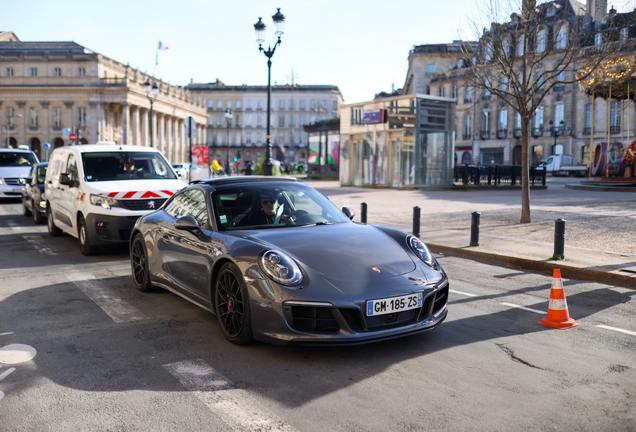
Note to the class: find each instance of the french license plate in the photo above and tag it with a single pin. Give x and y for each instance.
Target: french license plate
(394, 304)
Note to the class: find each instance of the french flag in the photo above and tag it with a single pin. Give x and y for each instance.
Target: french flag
(162, 46)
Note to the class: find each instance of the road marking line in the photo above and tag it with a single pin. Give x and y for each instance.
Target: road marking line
(525, 308)
(236, 407)
(38, 243)
(617, 329)
(6, 373)
(6, 334)
(105, 298)
(1, 395)
(463, 293)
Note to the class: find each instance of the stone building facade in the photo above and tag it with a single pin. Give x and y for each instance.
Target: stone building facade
(49, 88)
(292, 107)
(489, 132)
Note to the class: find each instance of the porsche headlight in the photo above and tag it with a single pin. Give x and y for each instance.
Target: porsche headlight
(421, 250)
(280, 268)
(103, 201)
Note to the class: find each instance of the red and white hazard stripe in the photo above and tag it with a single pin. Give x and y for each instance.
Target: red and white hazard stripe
(140, 194)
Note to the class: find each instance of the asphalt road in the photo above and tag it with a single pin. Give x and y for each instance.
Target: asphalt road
(108, 358)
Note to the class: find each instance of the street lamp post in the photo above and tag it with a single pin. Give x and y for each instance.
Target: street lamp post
(259, 27)
(555, 131)
(228, 119)
(154, 89)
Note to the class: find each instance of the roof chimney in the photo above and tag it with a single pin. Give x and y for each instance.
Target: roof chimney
(597, 9)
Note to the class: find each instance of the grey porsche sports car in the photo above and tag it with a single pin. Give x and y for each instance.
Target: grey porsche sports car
(276, 261)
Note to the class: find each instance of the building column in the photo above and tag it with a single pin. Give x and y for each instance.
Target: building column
(169, 144)
(125, 123)
(136, 135)
(68, 122)
(175, 139)
(45, 125)
(144, 127)
(182, 144)
(160, 133)
(153, 129)
(93, 122)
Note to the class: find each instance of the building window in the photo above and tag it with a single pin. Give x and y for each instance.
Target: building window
(558, 114)
(219, 105)
(211, 120)
(598, 39)
(228, 105)
(587, 126)
(441, 92)
(81, 71)
(10, 115)
(562, 38)
(237, 138)
(281, 104)
(334, 105)
(259, 139)
(238, 104)
(467, 127)
(541, 41)
(520, 45)
(503, 119)
(488, 52)
(259, 120)
(291, 120)
(237, 118)
(259, 104)
(34, 72)
(615, 117)
(312, 119)
(302, 104)
(485, 124)
(9, 71)
(248, 138)
(505, 45)
(291, 104)
(323, 104)
(219, 120)
(248, 104)
(538, 118)
(469, 93)
(504, 83)
(540, 80)
(33, 117)
(454, 91)
(210, 104)
(281, 120)
(219, 137)
(487, 89)
(302, 121)
(312, 104)
(430, 69)
(428, 89)
(624, 33)
(115, 121)
(57, 117)
(57, 72)
(248, 120)
(323, 117)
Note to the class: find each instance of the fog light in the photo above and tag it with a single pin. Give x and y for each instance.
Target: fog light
(102, 225)
(43, 204)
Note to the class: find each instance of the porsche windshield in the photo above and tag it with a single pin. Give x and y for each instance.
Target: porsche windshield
(111, 166)
(273, 205)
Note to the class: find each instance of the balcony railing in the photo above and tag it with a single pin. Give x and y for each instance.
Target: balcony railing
(587, 131)
(485, 134)
(559, 87)
(537, 132)
(517, 133)
(501, 133)
(615, 129)
(467, 136)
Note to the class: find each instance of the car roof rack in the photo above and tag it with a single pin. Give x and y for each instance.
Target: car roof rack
(241, 179)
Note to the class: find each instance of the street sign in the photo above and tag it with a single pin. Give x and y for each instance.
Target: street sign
(73, 137)
(66, 132)
(190, 131)
(46, 146)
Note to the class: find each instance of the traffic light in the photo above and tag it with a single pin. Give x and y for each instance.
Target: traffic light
(235, 158)
(239, 154)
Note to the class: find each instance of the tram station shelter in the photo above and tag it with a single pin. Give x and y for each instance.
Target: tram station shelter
(405, 141)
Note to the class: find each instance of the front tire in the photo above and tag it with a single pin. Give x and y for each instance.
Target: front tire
(232, 305)
(85, 243)
(53, 230)
(139, 264)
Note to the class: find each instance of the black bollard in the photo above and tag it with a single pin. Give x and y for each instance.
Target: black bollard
(559, 239)
(416, 221)
(474, 229)
(363, 212)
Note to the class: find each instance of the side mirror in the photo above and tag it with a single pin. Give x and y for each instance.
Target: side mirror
(64, 180)
(348, 211)
(188, 223)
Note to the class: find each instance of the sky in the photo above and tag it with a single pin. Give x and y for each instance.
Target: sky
(360, 46)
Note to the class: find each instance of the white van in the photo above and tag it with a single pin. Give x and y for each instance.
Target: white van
(97, 192)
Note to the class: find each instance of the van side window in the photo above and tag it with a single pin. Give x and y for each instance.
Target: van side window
(71, 168)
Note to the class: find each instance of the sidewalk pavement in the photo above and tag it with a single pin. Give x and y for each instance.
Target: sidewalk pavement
(600, 238)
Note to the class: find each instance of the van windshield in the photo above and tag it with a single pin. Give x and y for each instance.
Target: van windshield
(115, 166)
(17, 158)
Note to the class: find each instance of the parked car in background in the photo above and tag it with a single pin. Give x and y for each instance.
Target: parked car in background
(97, 192)
(15, 165)
(565, 165)
(33, 202)
(276, 261)
(182, 170)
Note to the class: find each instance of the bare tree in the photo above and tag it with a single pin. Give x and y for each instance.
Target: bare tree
(519, 60)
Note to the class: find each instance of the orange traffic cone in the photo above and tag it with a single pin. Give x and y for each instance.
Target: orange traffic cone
(558, 315)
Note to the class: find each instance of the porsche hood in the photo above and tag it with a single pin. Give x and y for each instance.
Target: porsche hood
(344, 251)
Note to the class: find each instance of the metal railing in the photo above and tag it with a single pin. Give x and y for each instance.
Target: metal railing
(497, 175)
(501, 133)
(485, 134)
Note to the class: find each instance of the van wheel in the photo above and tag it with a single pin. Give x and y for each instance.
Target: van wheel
(85, 243)
(53, 230)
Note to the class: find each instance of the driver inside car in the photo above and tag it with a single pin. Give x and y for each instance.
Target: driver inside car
(270, 211)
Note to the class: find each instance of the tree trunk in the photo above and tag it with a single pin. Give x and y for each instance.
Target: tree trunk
(525, 171)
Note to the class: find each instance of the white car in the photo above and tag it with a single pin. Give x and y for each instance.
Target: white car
(15, 166)
(97, 192)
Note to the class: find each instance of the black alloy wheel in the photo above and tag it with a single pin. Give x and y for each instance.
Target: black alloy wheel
(25, 210)
(232, 305)
(53, 230)
(85, 242)
(139, 264)
(37, 216)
